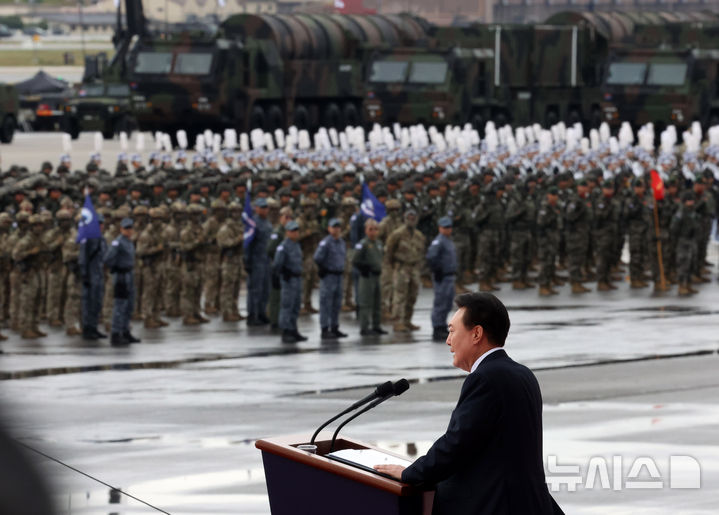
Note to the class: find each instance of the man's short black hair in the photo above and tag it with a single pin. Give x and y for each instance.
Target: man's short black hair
(486, 310)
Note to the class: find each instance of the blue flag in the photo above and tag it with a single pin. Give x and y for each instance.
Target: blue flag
(89, 225)
(371, 207)
(248, 218)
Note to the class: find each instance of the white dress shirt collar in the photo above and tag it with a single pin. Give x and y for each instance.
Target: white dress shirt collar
(479, 359)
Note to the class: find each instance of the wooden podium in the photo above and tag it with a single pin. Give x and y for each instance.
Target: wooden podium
(300, 483)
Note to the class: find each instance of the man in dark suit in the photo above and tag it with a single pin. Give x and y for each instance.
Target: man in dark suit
(489, 461)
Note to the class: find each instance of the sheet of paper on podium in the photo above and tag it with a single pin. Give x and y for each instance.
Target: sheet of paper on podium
(367, 458)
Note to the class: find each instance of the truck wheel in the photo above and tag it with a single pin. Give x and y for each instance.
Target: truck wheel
(70, 126)
(7, 129)
(332, 116)
(350, 115)
(257, 118)
(108, 132)
(123, 124)
(302, 117)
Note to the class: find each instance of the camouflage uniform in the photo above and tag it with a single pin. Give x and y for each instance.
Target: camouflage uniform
(191, 243)
(73, 285)
(310, 236)
(489, 217)
(212, 256)
(173, 272)
(53, 240)
(22, 219)
(606, 220)
(139, 215)
(578, 218)
(150, 251)
(637, 215)
(367, 259)
(229, 240)
(26, 254)
(684, 227)
(549, 225)
(520, 217)
(405, 251)
(387, 226)
(349, 207)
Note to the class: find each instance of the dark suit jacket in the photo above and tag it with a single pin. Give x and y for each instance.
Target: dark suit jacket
(490, 459)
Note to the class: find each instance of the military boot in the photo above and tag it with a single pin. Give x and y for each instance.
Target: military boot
(348, 308)
(486, 286)
(578, 287)
(29, 334)
(439, 334)
(299, 337)
(460, 288)
(230, 317)
(211, 310)
(413, 327)
(191, 320)
(544, 291)
(528, 284)
(127, 335)
(400, 327)
(603, 286)
(517, 285)
(636, 283)
(2, 337)
(202, 319)
(151, 323)
(55, 323)
(658, 288)
(336, 331)
(161, 322)
(691, 290)
(73, 331)
(558, 281)
(42, 334)
(426, 282)
(684, 290)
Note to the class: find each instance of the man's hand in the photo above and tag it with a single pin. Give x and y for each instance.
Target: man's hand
(391, 470)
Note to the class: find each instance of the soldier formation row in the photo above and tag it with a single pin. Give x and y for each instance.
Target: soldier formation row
(517, 212)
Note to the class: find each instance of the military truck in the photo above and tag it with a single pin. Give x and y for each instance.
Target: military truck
(9, 106)
(668, 75)
(266, 71)
(101, 102)
(516, 74)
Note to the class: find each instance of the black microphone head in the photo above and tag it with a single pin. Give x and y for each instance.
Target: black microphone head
(400, 386)
(385, 389)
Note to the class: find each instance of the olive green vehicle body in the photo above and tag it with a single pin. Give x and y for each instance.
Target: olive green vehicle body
(99, 106)
(9, 107)
(263, 71)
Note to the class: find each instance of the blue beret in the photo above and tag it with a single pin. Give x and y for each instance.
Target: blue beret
(335, 222)
(127, 223)
(261, 202)
(445, 221)
(292, 226)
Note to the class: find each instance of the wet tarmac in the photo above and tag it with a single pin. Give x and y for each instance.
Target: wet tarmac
(173, 420)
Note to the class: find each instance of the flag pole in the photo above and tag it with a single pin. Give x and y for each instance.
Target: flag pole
(662, 279)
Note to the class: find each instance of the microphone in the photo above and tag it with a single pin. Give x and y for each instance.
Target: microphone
(398, 388)
(382, 390)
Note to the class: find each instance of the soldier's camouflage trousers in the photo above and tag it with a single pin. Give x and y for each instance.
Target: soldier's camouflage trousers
(4, 294)
(686, 256)
(653, 252)
(487, 261)
(605, 244)
(577, 248)
(519, 254)
(229, 285)
(108, 300)
(309, 278)
(348, 280)
(172, 289)
(151, 291)
(637, 254)
(73, 294)
(212, 280)
(191, 290)
(30, 293)
(406, 288)
(548, 248)
(387, 287)
(137, 305)
(462, 248)
(15, 298)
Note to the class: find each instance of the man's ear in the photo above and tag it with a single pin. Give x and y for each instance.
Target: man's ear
(477, 333)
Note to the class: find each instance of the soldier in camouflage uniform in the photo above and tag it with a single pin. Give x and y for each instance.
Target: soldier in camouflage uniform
(638, 216)
(606, 221)
(150, 249)
(212, 256)
(367, 259)
(549, 227)
(684, 228)
(520, 218)
(73, 281)
(229, 239)
(173, 272)
(387, 226)
(23, 225)
(405, 249)
(578, 223)
(53, 240)
(705, 208)
(489, 218)
(47, 225)
(191, 244)
(140, 216)
(26, 254)
(310, 235)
